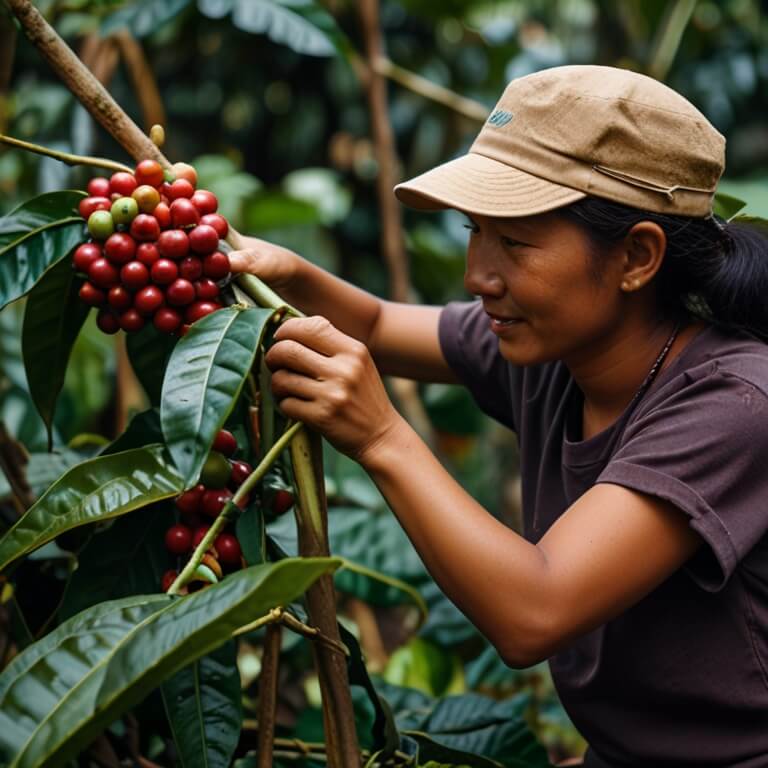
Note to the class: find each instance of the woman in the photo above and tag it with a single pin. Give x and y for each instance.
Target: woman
(615, 332)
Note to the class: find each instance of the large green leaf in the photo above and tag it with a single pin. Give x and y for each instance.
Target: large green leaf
(204, 709)
(58, 694)
(142, 18)
(53, 318)
(45, 468)
(148, 351)
(38, 212)
(143, 429)
(205, 375)
(303, 25)
(23, 261)
(97, 489)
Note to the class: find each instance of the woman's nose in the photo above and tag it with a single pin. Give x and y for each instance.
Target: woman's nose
(480, 276)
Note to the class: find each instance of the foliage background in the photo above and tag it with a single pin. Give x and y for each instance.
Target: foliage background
(284, 140)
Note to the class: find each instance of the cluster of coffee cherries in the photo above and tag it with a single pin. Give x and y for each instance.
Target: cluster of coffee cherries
(154, 249)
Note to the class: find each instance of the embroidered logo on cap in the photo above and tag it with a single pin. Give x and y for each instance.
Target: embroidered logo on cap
(499, 117)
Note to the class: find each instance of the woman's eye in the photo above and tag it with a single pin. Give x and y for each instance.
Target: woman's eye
(473, 228)
(510, 243)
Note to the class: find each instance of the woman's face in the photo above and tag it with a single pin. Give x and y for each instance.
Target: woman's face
(537, 281)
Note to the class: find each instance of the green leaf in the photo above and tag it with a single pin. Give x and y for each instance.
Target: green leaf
(143, 429)
(97, 489)
(23, 261)
(38, 212)
(142, 18)
(149, 350)
(59, 693)
(250, 532)
(53, 318)
(726, 206)
(45, 468)
(203, 380)
(302, 25)
(204, 709)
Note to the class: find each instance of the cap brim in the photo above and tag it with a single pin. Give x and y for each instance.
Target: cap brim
(478, 184)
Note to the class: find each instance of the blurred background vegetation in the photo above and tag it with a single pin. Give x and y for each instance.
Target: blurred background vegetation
(269, 100)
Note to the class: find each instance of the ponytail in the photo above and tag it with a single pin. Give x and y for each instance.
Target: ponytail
(713, 270)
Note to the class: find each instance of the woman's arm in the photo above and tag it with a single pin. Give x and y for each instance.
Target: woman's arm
(402, 338)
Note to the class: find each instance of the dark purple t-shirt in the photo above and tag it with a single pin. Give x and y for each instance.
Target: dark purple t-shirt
(681, 678)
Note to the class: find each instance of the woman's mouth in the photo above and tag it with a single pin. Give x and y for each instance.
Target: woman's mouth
(499, 322)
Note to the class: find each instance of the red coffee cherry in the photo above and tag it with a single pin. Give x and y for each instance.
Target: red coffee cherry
(131, 321)
(188, 503)
(120, 248)
(180, 293)
(147, 253)
(107, 322)
(228, 549)
(216, 265)
(190, 268)
(119, 298)
(149, 172)
(98, 187)
(205, 202)
(122, 183)
(95, 203)
(134, 275)
(184, 328)
(282, 501)
(85, 255)
(145, 227)
(206, 289)
(214, 500)
(200, 309)
(203, 239)
(240, 472)
(103, 274)
(92, 295)
(148, 300)
(164, 272)
(163, 214)
(167, 320)
(146, 197)
(181, 188)
(178, 539)
(218, 222)
(184, 213)
(167, 581)
(184, 171)
(225, 442)
(199, 535)
(173, 244)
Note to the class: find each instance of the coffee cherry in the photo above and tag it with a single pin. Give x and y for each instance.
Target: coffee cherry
(146, 197)
(167, 581)
(120, 248)
(180, 188)
(240, 472)
(204, 239)
(166, 320)
(148, 300)
(103, 274)
(205, 202)
(184, 213)
(200, 309)
(145, 227)
(188, 503)
(131, 321)
(107, 322)
(163, 215)
(184, 171)
(119, 298)
(85, 255)
(228, 549)
(178, 539)
(190, 268)
(90, 204)
(180, 293)
(92, 295)
(282, 501)
(214, 501)
(199, 535)
(216, 471)
(122, 183)
(149, 172)
(216, 265)
(98, 187)
(184, 328)
(173, 244)
(134, 275)
(218, 222)
(224, 442)
(100, 225)
(124, 210)
(206, 289)
(164, 272)
(147, 253)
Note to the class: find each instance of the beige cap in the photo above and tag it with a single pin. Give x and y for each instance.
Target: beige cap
(561, 134)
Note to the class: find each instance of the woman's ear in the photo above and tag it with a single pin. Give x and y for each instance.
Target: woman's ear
(644, 248)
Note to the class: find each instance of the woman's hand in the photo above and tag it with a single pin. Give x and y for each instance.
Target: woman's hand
(275, 265)
(329, 381)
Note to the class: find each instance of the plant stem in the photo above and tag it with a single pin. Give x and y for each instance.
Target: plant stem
(65, 157)
(263, 295)
(270, 667)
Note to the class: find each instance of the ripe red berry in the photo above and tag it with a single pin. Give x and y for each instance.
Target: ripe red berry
(184, 213)
(119, 298)
(163, 215)
(228, 549)
(120, 248)
(173, 244)
(167, 320)
(92, 295)
(181, 188)
(146, 197)
(190, 268)
(214, 500)
(216, 265)
(167, 581)
(148, 300)
(188, 503)
(145, 227)
(200, 309)
(103, 274)
(149, 172)
(178, 539)
(107, 322)
(85, 255)
(218, 222)
(205, 202)
(95, 203)
(134, 275)
(203, 239)
(224, 442)
(282, 501)
(164, 271)
(180, 293)
(206, 289)
(122, 183)
(147, 253)
(199, 535)
(98, 187)
(131, 321)
(240, 472)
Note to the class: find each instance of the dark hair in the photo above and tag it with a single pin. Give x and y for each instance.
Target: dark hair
(713, 270)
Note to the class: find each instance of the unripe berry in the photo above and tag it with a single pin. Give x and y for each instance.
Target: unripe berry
(101, 225)
(146, 197)
(124, 210)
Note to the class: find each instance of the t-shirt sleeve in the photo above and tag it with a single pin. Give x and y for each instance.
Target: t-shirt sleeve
(472, 351)
(704, 449)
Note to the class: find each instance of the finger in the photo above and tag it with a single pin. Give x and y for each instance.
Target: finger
(242, 261)
(290, 384)
(317, 333)
(294, 356)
